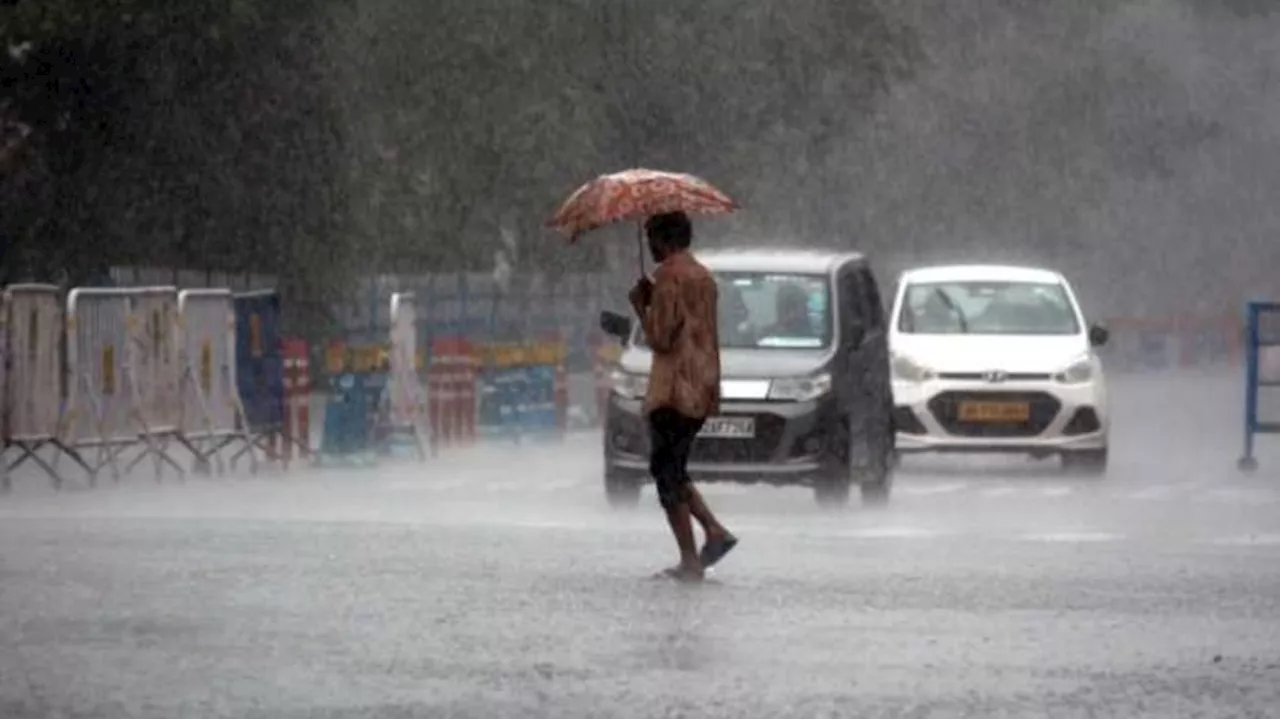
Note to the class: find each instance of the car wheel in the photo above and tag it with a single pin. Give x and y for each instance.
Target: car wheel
(1091, 462)
(622, 492)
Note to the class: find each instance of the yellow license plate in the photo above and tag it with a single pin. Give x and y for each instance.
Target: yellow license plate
(994, 411)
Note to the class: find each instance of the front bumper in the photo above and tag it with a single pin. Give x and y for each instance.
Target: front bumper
(1063, 417)
(795, 443)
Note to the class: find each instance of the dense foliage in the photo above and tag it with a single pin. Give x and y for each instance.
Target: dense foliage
(316, 140)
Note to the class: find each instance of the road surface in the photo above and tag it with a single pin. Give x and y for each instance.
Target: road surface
(495, 583)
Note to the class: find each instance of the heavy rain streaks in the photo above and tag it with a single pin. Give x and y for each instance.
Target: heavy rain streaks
(386, 171)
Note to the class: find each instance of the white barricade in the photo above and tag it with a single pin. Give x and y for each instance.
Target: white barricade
(103, 401)
(155, 341)
(407, 397)
(213, 415)
(153, 362)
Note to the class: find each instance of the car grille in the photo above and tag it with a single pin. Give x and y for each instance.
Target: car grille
(1044, 407)
(1007, 377)
(761, 448)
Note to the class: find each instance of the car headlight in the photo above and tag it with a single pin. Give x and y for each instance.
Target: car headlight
(1078, 372)
(905, 368)
(800, 389)
(630, 386)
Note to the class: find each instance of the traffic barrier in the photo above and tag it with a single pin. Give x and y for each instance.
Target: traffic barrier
(154, 357)
(519, 392)
(562, 397)
(31, 361)
(260, 371)
(296, 424)
(356, 385)
(1262, 374)
(451, 392)
(106, 412)
(407, 412)
(213, 416)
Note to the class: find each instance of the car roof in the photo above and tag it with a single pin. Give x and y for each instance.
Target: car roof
(981, 273)
(799, 261)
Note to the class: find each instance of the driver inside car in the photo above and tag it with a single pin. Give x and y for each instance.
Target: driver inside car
(792, 314)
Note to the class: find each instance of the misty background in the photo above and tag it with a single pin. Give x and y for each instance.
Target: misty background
(1131, 143)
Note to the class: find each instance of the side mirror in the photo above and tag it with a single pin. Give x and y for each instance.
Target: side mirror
(615, 325)
(1098, 335)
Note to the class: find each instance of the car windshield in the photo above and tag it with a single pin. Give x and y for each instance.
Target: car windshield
(765, 310)
(987, 308)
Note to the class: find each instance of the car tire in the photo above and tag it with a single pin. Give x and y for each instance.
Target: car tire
(1089, 462)
(622, 492)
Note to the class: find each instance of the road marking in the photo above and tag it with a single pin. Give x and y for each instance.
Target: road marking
(889, 533)
(1056, 491)
(998, 491)
(1072, 537)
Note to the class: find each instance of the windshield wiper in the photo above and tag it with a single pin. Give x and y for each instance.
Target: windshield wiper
(951, 305)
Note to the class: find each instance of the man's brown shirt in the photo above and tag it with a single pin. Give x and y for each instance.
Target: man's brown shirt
(680, 327)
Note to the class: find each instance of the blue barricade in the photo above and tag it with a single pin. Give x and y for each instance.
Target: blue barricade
(346, 417)
(517, 392)
(357, 377)
(260, 365)
(1262, 375)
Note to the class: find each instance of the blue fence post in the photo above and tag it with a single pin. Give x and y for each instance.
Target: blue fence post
(1248, 462)
(1262, 372)
(260, 369)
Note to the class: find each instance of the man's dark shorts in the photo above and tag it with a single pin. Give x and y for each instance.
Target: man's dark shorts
(671, 436)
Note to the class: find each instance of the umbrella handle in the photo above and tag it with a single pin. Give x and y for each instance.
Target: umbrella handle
(640, 245)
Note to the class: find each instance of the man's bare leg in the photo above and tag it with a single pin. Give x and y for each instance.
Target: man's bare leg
(699, 509)
(690, 567)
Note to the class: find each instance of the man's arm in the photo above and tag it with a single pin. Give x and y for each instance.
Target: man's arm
(661, 321)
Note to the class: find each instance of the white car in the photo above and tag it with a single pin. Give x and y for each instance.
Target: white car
(997, 359)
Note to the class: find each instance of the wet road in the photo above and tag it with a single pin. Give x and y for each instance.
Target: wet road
(496, 584)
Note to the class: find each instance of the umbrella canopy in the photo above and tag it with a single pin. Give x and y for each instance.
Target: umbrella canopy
(633, 195)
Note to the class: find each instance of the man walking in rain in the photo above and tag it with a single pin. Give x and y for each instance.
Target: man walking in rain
(678, 312)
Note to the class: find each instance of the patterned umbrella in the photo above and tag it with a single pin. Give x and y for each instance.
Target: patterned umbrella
(633, 195)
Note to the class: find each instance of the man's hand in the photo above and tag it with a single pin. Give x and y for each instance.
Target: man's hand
(641, 295)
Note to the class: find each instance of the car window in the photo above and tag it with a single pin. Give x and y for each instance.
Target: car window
(1004, 308)
(767, 310)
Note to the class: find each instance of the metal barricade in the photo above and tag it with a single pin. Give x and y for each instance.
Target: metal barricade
(213, 415)
(260, 370)
(104, 402)
(153, 357)
(32, 379)
(1262, 376)
(406, 397)
(297, 398)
